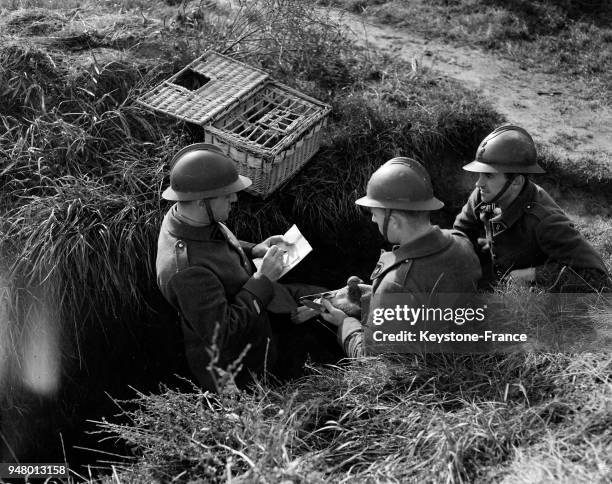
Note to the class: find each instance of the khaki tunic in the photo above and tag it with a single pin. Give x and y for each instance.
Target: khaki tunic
(207, 275)
(210, 283)
(441, 261)
(532, 232)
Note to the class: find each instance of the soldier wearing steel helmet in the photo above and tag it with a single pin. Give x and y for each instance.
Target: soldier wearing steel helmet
(207, 275)
(424, 259)
(518, 230)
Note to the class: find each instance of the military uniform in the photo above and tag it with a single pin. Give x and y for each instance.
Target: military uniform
(533, 231)
(440, 261)
(209, 280)
(206, 274)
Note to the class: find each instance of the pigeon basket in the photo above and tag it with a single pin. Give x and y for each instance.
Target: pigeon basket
(267, 128)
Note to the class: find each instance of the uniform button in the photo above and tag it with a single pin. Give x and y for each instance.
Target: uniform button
(528, 206)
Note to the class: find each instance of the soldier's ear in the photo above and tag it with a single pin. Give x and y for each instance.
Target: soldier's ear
(396, 219)
(518, 181)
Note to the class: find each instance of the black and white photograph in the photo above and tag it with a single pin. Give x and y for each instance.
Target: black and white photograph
(306, 241)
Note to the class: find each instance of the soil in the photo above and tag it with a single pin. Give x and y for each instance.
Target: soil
(555, 111)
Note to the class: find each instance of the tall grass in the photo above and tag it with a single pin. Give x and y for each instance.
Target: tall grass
(439, 418)
(83, 167)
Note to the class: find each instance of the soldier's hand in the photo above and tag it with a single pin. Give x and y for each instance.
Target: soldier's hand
(523, 276)
(483, 244)
(303, 314)
(332, 315)
(272, 264)
(260, 249)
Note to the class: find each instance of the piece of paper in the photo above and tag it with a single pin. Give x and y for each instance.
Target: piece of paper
(297, 249)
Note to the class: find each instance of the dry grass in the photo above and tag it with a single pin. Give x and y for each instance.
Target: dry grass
(82, 170)
(441, 418)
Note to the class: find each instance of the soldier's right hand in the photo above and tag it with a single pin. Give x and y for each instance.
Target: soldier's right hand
(272, 264)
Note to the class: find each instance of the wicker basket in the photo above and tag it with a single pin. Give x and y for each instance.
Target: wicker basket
(269, 129)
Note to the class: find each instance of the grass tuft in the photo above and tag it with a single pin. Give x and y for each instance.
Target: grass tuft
(440, 418)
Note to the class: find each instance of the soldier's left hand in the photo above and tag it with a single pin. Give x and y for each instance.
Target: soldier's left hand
(523, 276)
(303, 314)
(332, 315)
(260, 249)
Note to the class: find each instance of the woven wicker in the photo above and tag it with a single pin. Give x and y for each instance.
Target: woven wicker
(271, 135)
(229, 82)
(267, 128)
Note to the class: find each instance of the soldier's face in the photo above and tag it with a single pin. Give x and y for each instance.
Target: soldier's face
(222, 206)
(489, 185)
(378, 217)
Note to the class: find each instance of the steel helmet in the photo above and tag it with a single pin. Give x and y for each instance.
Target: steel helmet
(400, 184)
(508, 149)
(200, 171)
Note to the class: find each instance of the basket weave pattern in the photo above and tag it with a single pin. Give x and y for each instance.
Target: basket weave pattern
(268, 176)
(267, 128)
(229, 83)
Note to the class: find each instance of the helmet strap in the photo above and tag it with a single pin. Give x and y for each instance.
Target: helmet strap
(504, 189)
(209, 212)
(386, 223)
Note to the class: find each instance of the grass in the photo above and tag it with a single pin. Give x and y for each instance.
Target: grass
(522, 417)
(82, 169)
(568, 37)
(439, 418)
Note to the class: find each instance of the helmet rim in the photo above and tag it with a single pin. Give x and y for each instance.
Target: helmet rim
(401, 183)
(401, 204)
(480, 167)
(506, 149)
(239, 184)
(190, 178)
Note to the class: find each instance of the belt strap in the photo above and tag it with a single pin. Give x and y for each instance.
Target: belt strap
(233, 241)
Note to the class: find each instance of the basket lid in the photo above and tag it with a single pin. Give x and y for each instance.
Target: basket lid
(208, 85)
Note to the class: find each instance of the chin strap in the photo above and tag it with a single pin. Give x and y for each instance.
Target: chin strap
(386, 223)
(489, 206)
(209, 212)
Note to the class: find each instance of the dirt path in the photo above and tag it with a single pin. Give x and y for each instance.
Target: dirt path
(552, 109)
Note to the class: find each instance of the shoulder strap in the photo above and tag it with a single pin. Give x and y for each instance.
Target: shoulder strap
(180, 255)
(537, 209)
(381, 270)
(235, 243)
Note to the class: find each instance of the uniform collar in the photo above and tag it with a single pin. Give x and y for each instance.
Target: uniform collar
(432, 242)
(182, 230)
(515, 210)
(429, 243)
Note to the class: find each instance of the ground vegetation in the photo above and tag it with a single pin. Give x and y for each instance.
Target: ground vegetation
(571, 38)
(82, 168)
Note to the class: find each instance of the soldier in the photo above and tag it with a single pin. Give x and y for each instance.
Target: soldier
(207, 275)
(426, 258)
(519, 232)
